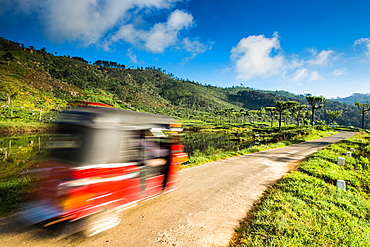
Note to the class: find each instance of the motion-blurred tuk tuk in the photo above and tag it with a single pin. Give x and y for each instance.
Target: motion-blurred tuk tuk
(104, 160)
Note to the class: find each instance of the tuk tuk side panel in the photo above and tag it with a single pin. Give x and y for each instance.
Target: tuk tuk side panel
(118, 194)
(110, 187)
(154, 185)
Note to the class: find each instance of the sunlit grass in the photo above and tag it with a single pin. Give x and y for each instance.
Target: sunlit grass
(12, 193)
(305, 208)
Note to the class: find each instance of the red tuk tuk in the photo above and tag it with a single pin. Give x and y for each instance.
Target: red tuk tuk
(102, 161)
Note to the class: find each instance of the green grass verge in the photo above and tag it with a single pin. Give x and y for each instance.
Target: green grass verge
(306, 209)
(12, 193)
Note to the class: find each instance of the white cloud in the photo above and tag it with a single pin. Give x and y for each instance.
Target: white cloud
(300, 74)
(304, 74)
(322, 58)
(163, 35)
(314, 76)
(253, 57)
(129, 34)
(258, 56)
(91, 21)
(194, 47)
(339, 72)
(132, 57)
(366, 43)
(179, 20)
(160, 36)
(105, 22)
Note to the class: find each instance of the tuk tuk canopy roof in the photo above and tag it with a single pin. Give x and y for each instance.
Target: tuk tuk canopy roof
(104, 117)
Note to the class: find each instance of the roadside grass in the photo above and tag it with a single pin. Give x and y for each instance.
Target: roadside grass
(200, 158)
(12, 193)
(305, 208)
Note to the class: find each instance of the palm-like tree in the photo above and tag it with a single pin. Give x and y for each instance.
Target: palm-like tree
(281, 106)
(272, 111)
(316, 102)
(333, 114)
(298, 112)
(364, 108)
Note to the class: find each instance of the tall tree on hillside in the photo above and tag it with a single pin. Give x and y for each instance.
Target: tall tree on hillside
(244, 113)
(220, 113)
(334, 114)
(272, 111)
(262, 113)
(8, 57)
(364, 108)
(316, 102)
(281, 106)
(286, 116)
(253, 114)
(298, 112)
(229, 112)
(7, 92)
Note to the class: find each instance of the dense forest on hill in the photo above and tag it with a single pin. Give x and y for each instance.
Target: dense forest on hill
(356, 97)
(35, 84)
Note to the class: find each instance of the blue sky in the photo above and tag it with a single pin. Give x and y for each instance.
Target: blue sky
(308, 46)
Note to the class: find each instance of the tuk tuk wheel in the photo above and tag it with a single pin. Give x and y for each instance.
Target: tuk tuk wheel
(98, 223)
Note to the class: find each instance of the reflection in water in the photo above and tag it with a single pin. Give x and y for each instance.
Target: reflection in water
(17, 151)
(209, 143)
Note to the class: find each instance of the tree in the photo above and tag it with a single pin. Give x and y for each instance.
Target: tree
(8, 57)
(272, 111)
(229, 112)
(262, 113)
(7, 91)
(253, 114)
(334, 114)
(220, 113)
(316, 102)
(286, 116)
(281, 106)
(43, 50)
(243, 113)
(364, 108)
(299, 112)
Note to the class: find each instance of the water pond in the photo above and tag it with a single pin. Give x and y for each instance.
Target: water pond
(17, 151)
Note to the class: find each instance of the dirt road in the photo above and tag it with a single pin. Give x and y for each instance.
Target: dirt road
(204, 212)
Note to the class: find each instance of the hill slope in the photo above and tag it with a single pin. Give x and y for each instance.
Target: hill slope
(35, 83)
(356, 97)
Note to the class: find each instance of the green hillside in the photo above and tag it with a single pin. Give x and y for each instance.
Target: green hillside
(356, 97)
(35, 84)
